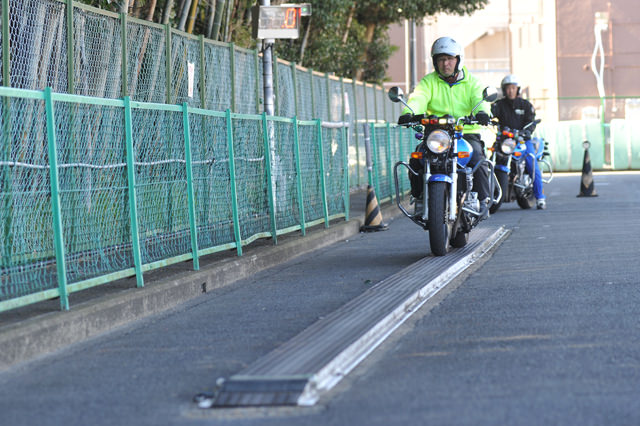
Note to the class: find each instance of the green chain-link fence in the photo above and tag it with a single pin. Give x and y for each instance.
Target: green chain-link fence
(97, 189)
(128, 146)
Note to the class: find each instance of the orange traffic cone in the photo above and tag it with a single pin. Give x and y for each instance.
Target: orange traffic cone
(587, 188)
(373, 217)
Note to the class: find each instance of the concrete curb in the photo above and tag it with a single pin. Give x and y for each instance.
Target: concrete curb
(45, 333)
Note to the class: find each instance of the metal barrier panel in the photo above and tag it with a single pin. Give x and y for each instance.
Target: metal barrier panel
(93, 189)
(219, 87)
(161, 183)
(97, 43)
(211, 180)
(28, 257)
(284, 175)
(245, 82)
(310, 170)
(38, 48)
(185, 70)
(146, 62)
(250, 165)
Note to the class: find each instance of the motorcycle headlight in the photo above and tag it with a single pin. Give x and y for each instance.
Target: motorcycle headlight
(438, 141)
(508, 146)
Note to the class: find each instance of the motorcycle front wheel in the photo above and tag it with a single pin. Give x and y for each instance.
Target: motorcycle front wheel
(439, 227)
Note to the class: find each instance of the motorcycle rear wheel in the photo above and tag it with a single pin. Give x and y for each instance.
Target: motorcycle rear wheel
(527, 200)
(439, 226)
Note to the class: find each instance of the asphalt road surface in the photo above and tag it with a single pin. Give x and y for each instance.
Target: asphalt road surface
(546, 331)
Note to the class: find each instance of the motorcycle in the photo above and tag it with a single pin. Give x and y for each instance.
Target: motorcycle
(449, 209)
(508, 154)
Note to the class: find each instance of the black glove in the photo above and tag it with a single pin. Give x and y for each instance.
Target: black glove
(482, 117)
(405, 118)
(526, 134)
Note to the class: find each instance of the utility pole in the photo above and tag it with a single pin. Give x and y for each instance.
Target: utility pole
(267, 69)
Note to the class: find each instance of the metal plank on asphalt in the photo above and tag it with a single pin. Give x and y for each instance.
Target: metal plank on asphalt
(315, 360)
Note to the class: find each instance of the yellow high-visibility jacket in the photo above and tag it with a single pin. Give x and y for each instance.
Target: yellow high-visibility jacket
(433, 95)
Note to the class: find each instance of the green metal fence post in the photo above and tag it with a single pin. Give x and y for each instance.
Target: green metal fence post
(366, 104)
(276, 85)
(389, 164)
(232, 183)
(294, 77)
(375, 104)
(167, 40)
(6, 129)
(232, 64)
(345, 153)
(131, 178)
(326, 76)
(374, 156)
(384, 104)
(58, 230)
(269, 178)
(323, 183)
(70, 54)
(203, 88)
(313, 96)
(296, 152)
(125, 56)
(355, 130)
(190, 197)
(257, 72)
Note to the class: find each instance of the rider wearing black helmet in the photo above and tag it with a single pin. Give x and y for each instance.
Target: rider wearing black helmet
(514, 112)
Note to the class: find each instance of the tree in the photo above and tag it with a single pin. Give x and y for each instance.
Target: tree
(349, 37)
(345, 37)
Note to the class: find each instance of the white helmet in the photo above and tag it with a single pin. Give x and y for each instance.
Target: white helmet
(447, 46)
(510, 79)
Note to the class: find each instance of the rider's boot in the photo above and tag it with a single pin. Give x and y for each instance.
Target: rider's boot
(484, 209)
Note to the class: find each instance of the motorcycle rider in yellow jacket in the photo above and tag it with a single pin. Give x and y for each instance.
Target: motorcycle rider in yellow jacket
(452, 89)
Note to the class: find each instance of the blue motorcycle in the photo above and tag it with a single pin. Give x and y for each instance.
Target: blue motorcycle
(513, 155)
(448, 208)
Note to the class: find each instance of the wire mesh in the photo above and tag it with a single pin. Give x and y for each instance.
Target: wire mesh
(284, 175)
(310, 171)
(97, 50)
(319, 85)
(211, 180)
(381, 157)
(28, 258)
(333, 146)
(38, 44)
(218, 82)
(245, 81)
(161, 184)
(286, 94)
(185, 70)
(93, 189)
(249, 156)
(305, 104)
(336, 99)
(146, 63)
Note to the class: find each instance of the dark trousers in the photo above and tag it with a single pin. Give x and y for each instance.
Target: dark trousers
(480, 177)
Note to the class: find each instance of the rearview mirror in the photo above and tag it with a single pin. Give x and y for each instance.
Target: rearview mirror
(395, 94)
(490, 94)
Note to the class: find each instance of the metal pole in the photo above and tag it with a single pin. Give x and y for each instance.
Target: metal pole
(267, 69)
(413, 65)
